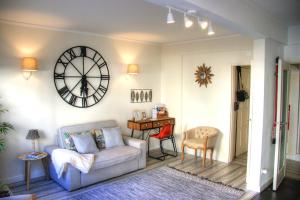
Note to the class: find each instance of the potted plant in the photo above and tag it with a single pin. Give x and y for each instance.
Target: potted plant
(5, 127)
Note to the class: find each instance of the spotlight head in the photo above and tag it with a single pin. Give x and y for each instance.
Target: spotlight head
(202, 23)
(170, 17)
(187, 22)
(210, 29)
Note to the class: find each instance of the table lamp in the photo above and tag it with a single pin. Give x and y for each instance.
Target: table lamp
(33, 134)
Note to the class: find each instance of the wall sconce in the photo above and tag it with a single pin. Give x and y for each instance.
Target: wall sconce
(133, 69)
(28, 65)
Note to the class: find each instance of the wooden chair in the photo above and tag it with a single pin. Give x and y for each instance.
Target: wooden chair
(202, 138)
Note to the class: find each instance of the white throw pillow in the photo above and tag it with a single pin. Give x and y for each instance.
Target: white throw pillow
(112, 137)
(85, 143)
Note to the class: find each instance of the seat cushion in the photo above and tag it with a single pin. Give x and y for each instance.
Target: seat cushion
(198, 143)
(194, 143)
(112, 156)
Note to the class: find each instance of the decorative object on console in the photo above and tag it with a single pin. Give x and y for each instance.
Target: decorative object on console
(133, 69)
(160, 110)
(141, 95)
(81, 76)
(137, 115)
(33, 134)
(28, 65)
(203, 75)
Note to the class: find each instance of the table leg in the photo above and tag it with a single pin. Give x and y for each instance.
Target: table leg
(27, 176)
(25, 171)
(132, 132)
(143, 135)
(45, 165)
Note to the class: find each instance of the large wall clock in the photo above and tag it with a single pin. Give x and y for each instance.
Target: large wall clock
(81, 76)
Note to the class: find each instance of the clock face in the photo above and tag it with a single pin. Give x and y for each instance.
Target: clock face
(81, 76)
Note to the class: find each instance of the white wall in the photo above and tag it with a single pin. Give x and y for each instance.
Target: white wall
(261, 151)
(193, 105)
(292, 50)
(35, 103)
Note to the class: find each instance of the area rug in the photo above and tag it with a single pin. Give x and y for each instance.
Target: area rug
(160, 183)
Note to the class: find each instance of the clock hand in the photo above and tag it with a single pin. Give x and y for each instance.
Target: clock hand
(84, 89)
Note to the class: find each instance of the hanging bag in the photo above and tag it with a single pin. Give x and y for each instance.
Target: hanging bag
(241, 94)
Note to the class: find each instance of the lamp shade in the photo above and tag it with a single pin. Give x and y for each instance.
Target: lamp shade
(29, 64)
(133, 69)
(32, 134)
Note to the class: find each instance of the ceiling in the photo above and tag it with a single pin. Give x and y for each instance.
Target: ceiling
(128, 19)
(286, 11)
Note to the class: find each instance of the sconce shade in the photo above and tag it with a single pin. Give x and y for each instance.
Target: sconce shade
(33, 134)
(133, 69)
(29, 64)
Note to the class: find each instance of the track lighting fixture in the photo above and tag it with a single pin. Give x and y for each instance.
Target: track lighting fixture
(187, 22)
(202, 23)
(210, 29)
(170, 17)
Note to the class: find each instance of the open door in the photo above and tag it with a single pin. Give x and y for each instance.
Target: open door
(280, 121)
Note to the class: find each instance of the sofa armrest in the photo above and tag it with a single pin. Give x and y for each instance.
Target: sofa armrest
(71, 179)
(139, 144)
(48, 149)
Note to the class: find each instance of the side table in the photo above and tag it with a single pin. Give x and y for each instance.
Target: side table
(43, 156)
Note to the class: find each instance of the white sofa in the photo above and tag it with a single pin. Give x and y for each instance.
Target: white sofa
(108, 163)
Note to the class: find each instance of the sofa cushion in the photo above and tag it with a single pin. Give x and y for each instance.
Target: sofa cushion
(84, 143)
(99, 138)
(112, 156)
(113, 137)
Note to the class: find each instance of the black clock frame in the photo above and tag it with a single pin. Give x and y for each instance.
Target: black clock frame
(64, 92)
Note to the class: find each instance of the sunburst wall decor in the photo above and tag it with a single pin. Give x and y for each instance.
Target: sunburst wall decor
(203, 75)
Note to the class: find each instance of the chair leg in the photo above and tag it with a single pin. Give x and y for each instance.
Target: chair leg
(195, 156)
(174, 146)
(211, 155)
(204, 156)
(182, 152)
(162, 149)
(148, 146)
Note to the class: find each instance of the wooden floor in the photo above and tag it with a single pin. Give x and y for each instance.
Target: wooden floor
(293, 169)
(230, 174)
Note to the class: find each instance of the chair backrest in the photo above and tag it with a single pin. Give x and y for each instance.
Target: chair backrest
(202, 132)
(165, 132)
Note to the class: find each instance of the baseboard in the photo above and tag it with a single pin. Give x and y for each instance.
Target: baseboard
(19, 178)
(266, 184)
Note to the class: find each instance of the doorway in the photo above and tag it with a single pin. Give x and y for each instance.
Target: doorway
(240, 115)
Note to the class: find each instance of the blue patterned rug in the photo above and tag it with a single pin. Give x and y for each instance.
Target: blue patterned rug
(161, 183)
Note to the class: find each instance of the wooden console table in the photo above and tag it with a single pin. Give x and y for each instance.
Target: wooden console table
(148, 124)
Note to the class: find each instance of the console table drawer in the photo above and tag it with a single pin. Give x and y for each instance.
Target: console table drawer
(146, 126)
(162, 123)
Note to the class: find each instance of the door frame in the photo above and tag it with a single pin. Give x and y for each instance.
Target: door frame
(232, 140)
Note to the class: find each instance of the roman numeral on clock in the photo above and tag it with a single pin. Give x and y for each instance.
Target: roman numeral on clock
(65, 64)
(59, 75)
(83, 51)
(104, 77)
(73, 100)
(71, 54)
(102, 89)
(64, 92)
(84, 102)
